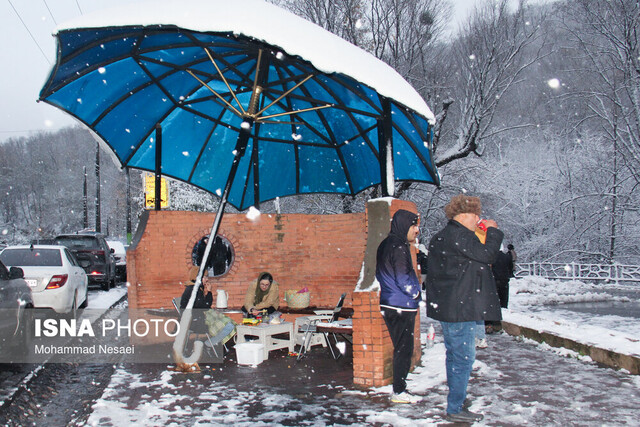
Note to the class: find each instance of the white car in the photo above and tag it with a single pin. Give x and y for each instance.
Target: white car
(53, 273)
(120, 256)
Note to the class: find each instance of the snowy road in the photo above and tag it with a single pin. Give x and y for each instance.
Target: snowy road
(27, 389)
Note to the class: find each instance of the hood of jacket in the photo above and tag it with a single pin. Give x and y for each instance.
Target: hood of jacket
(402, 222)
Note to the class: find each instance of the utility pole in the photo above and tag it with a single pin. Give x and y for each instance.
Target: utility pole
(85, 205)
(98, 219)
(128, 207)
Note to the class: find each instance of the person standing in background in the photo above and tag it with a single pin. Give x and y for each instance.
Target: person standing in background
(503, 271)
(514, 256)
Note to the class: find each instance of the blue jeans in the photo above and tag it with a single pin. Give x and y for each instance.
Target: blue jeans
(480, 332)
(460, 342)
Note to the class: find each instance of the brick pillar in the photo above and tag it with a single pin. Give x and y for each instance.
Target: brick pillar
(372, 347)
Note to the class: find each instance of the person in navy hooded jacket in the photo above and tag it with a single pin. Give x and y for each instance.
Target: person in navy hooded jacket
(399, 296)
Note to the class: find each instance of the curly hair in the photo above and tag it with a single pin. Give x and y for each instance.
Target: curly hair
(463, 204)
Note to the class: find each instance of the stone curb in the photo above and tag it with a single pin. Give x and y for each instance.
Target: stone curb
(606, 357)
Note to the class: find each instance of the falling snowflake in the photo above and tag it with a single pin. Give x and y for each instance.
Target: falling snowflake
(253, 213)
(553, 83)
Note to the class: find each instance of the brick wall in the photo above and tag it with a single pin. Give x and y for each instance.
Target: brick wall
(322, 252)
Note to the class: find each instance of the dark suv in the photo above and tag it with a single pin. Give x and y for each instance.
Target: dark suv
(94, 255)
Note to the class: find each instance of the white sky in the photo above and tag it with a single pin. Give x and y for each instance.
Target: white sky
(27, 62)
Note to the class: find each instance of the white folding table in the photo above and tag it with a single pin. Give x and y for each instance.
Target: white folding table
(265, 333)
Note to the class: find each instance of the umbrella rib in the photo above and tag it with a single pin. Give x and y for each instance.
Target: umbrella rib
(195, 164)
(353, 138)
(286, 113)
(418, 153)
(332, 140)
(349, 112)
(225, 80)
(283, 80)
(413, 148)
(216, 94)
(303, 81)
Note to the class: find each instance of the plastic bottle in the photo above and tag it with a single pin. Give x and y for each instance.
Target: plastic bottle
(431, 335)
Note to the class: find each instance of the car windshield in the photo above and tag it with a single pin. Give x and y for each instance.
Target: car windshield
(78, 242)
(31, 257)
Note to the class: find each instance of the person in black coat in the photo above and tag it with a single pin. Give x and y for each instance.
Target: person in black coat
(503, 271)
(461, 291)
(203, 301)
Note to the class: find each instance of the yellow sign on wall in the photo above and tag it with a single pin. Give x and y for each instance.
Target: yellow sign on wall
(150, 191)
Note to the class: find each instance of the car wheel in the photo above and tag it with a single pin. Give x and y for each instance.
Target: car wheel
(73, 313)
(86, 298)
(23, 338)
(105, 286)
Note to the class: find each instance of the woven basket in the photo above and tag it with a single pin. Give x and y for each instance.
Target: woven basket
(297, 300)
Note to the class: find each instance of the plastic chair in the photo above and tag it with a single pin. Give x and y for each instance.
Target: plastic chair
(176, 304)
(308, 327)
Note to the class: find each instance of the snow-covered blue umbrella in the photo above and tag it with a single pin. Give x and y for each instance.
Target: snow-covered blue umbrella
(242, 99)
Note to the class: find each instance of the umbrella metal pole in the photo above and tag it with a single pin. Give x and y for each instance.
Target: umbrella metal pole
(158, 175)
(385, 150)
(185, 319)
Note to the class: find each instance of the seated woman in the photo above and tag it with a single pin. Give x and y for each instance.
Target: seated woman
(204, 299)
(263, 294)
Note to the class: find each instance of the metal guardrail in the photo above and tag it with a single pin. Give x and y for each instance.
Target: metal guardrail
(576, 271)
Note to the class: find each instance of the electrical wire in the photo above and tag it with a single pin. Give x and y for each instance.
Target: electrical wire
(52, 17)
(78, 4)
(29, 31)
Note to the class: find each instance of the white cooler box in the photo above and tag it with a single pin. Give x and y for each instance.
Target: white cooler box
(249, 353)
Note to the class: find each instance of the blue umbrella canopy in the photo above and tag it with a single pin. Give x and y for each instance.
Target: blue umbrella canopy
(318, 114)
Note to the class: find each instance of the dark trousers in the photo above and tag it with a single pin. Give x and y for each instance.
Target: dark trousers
(503, 292)
(400, 325)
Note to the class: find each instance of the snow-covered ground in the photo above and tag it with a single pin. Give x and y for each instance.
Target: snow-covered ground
(105, 299)
(515, 381)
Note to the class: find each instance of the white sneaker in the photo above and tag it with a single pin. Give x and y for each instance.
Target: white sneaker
(481, 343)
(405, 397)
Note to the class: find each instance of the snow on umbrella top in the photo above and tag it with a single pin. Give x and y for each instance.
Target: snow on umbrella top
(312, 104)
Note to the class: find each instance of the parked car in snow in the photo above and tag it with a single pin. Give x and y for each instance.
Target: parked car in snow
(120, 256)
(94, 255)
(53, 273)
(16, 303)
